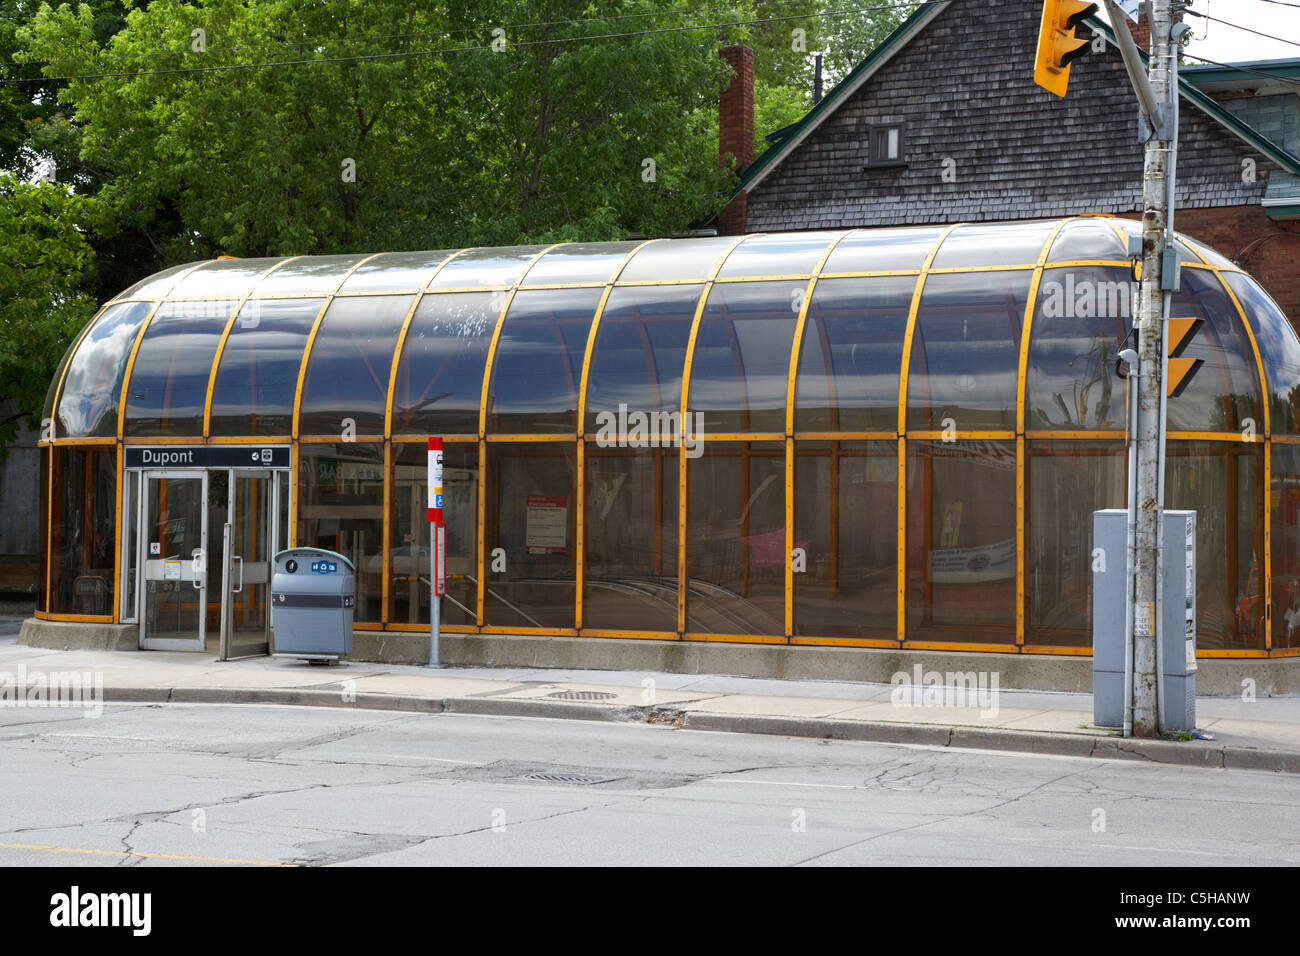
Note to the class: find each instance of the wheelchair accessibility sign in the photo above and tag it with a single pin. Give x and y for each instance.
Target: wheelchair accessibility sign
(324, 567)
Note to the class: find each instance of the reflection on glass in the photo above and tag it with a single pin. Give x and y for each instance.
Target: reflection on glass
(780, 254)
(350, 363)
(1279, 350)
(92, 387)
(742, 356)
(258, 372)
(631, 549)
(83, 539)
(579, 262)
(223, 279)
(1220, 482)
(1068, 481)
(1088, 239)
(439, 381)
(169, 380)
(409, 518)
(846, 523)
(157, 285)
(993, 244)
(961, 541)
(1081, 317)
(640, 351)
(531, 519)
(308, 275)
(736, 539)
(851, 355)
(341, 508)
(966, 351)
(882, 250)
(1208, 254)
(395, 272)
(680, 259)
(476, 268)
(539, 361)
(1223, 391)
(1284, 494)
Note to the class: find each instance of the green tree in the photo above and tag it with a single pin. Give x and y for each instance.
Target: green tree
(45, 262)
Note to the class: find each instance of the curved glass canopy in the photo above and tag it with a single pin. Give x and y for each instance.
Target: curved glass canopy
(925, 417)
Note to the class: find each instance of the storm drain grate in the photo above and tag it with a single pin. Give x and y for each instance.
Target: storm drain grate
(582, 695)
(568, 776)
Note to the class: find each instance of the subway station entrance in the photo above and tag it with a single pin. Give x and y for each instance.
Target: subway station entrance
(198, 543)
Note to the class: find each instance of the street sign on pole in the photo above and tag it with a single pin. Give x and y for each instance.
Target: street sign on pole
(437, 551)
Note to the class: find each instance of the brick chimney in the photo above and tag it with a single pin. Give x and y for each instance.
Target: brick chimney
(736, 130)
(1142, 29)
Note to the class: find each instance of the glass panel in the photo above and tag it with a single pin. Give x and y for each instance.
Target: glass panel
(157, 285)
(395, 271)
(92, 388)
(169, 381)
(341, 508)
(882, 250)
(961, 541)
(1081, 317)
(173, 608)
(1220, 481)
(1284, 497)
(846, 521)
(309, 275)
(409, 586)
(677, 259)
(227, 280)
(257, 377)
(631, 551)
(486, 267)
(1133, 227)
(251, 542)
(1208, 254)
(780, 254)
(1088, 239)
(736, 539)
(218, 515)
(851, 356)
(579, 262)
(966, 351)
(640, 351)
(130, 545)
(993, 244)
(742, 356)
(1279, 349)
(42, 594)
(1223, 392)
(530, 518)
(83, 539)
(539, 361)
(350, 363)
(1068, 481)
(440, 374)
(51, 393)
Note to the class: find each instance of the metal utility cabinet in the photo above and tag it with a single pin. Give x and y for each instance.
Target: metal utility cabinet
(313, 593)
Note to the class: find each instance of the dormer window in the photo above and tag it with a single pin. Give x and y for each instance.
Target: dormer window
(885, 143)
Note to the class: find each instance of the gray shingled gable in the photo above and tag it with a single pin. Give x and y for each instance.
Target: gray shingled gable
(964, 88)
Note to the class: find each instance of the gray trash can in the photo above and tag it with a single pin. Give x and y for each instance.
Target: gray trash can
(313, 592)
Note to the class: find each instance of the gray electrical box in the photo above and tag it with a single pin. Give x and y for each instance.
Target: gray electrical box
(1177, 659)
(313, 593)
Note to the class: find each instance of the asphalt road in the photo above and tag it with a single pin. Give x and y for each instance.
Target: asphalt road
(150, 785)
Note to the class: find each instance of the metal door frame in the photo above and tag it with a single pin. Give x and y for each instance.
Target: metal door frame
(145, 507)
(270, 532)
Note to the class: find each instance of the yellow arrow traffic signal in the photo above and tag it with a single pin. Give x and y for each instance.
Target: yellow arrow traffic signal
(1057, 45)
(1178, 333)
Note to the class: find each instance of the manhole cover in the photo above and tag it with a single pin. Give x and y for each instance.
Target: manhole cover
(566, 776)
(582, 695)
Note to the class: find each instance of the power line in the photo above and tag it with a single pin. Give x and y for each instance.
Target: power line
(1245, 69)
(908, 5)
(1238, 26)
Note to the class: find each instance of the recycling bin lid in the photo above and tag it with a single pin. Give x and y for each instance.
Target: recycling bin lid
(316, 551)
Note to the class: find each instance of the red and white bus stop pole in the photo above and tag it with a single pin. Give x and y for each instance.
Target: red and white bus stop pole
(437, 551)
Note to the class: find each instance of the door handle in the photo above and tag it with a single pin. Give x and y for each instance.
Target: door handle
(240, 559)
(196, 565)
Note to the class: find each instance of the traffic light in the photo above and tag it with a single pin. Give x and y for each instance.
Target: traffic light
(1057, 44)
(1177, 334)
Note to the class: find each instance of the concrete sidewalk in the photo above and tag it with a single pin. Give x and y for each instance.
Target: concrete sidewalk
(1262, 734)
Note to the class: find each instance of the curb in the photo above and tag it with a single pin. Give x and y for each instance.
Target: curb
(1188, 754)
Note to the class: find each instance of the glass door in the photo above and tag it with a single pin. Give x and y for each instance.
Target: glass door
(248, 547)
(173, 544)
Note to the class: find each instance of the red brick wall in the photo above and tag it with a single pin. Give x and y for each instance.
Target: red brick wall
(736, 130)
(1234, 231)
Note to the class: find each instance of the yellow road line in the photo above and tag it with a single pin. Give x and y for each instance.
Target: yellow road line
(150, 856)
